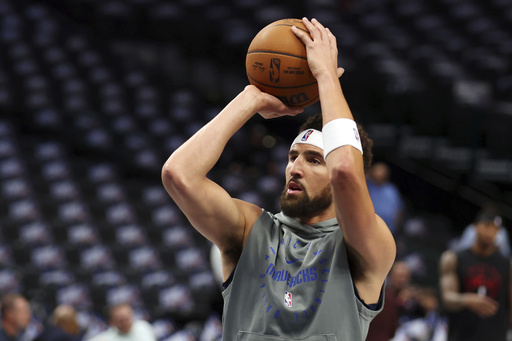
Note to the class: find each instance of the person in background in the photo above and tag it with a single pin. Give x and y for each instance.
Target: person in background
(475, 283)
(16, 315)
(63, 326)
(468, 236)
(429, 325)
(386, 197)
(124, 326)
(399, 293)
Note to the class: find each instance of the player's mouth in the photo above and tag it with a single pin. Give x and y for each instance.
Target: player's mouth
(294, 188)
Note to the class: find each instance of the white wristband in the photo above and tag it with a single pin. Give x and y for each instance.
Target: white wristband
(340, 132)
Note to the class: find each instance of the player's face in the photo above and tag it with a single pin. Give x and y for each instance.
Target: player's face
(22, 313)
(122, 319)
(486, 233)
(308, 189)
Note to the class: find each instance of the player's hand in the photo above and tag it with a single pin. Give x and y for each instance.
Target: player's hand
(483, 306)
(269, 106)
(321, 48)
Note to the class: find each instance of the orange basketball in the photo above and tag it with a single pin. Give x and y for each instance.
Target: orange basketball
(277, 64)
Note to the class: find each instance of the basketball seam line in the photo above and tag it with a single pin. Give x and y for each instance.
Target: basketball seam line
(279, 53)
(282, 87)
(288, 26)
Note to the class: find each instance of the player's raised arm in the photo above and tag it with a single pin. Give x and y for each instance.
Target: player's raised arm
(371, 246)
(208, 207)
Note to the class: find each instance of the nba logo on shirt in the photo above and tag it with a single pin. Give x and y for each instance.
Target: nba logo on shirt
(288, 299)
(306, 135)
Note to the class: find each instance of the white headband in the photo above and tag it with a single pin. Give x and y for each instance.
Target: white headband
(310, 136)
(336, 133)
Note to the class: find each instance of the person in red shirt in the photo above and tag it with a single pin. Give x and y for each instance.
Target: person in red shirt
(398, 293)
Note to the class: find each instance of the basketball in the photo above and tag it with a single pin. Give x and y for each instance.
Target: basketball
(277, 64)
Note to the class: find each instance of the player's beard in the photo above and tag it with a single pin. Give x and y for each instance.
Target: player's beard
(485, 243)
(302, 206)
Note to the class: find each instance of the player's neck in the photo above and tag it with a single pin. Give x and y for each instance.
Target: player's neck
(483, 251)
(326, 215)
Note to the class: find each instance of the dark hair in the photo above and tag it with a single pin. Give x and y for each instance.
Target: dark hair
(315, 122)
(489, 213)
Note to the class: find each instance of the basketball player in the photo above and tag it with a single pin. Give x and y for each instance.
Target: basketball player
(316, 270)
(476, 287)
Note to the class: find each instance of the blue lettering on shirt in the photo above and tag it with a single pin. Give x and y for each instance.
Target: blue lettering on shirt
(303, 276)
(276, 273)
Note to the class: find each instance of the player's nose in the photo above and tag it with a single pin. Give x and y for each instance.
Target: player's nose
(297, 167)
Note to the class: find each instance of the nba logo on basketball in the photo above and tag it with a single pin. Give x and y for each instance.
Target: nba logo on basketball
(288, 299)
(275, 70)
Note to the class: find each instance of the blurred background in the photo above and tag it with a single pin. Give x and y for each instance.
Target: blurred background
(96, 94)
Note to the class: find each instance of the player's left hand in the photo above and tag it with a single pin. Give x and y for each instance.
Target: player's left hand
(321, 48)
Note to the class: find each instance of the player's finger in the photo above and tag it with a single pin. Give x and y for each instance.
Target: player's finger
(301, 35)
(314, 31)
(317, 23)
(340, 71)
(332, 37)
(320, 28)
(490, 307)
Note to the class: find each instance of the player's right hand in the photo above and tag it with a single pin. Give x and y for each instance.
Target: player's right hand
(269, 106)
(483, 306)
